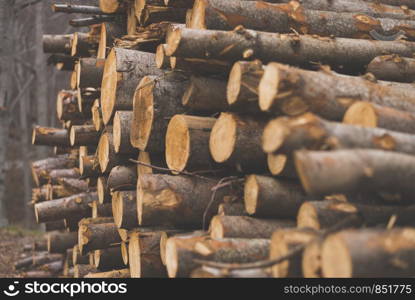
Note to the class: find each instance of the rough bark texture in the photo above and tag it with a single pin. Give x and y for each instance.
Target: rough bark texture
(41, 169)
(270, 197)
(90, 72)
(57, 43)
(124, 209)
(108, 259)
(121, 132)
(245, 227)
(123, 273)
(97, 236)
(286, 48)
(393, 68)
(83, 135)
(50, 136)
(362, 170)
(59, 242)
(122, 178)
(293, 91)
(107, 157)
(368, 253)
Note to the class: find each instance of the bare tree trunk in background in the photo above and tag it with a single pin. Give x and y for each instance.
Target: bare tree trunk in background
(6, 65)
(41, 75)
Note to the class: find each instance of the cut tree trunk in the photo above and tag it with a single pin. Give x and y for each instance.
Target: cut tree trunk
(292, 91)
(242, 88)
(97, 236)
(311, 263)
(371, 115)
(122, 178)
(369, 253)
(59, 242)
(101, 210)
(232, 209)
(169, 200)
(110, 31)
(124, 209)
(83, 135)
(144, 255)
(283, 18)
(97, 115)
(67, 106)
(361, 169)
(187, 144)
(155, 101)
(107, 157)
(393, 68)
(282, 242)
(294, 49)
(281, 165)
(57, 43)
(156, 14)
(55, 225)
(104, 193)
(150, 159)
(108, 259)
(236, 141)
(246, 227)
(121, 132)
(84, 44)
(57, 175)
(50, 136)
(122, 72)
(42, 168)
(286, 135)
(76, 205)
(111, 6)
(200, 66)
(90, 72)
(205, 94)
(123, 273)
(270, 197)
(78, 258)
(80, 271)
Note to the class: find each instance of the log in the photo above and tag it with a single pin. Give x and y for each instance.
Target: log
(155, 101)
(205, 94)
(80, 271)
(281, 165)
(361, 169)
(122, 273)
(235, 140)
(97, 236)
(57, 175)
(87, 168)
(123, 70)
(292, 91)
(124, 246)
(352, 54)
(97, 115)
(49, 136)
(187, 144)
(144, 255)
(242, 88)
(67, 106)
(282, 242)
(36, 260)
(162, 60)
(368, 253)
(156, 14)
(150, 159)
(54, 225)
(59, 242)
(83, 135)
(86, 98)
(110, 31)
(76, 9)
(270, 197)
(282, 18)
(179, 3)
(76, 205)
(371, 115)
(176, 204)
(124, 209)
(58, 191)
(232, 209)
(393, 68)
(108, 259)
(90, 72)
(122, 178)
(85, 44)
(107, 157)
(121, 132)
(42, 168)
(40, 194)
(208, 272)
(165, 235)
(286, 135)
(78, 258)
(57, 43)
(406, 3)
(246, 227)
(180, 253)
(101, 210)
(111, 6)
(104, 193)
(201, 66)
(62, 62)
(311, 262)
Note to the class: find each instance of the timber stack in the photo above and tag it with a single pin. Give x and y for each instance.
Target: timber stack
(213, 138)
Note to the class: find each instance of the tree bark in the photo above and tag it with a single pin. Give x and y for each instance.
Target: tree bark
(57, 43)
(407, 3)
(78, 258)
(80, 271)
(83, 135)
(236, 141)
(201, 66)
(107, 157)
(187, 144)
(77, 9)
(104, 193)
(101, 210)
(246, 227)
(124, 209)
(269, 197)
(97, 115)
(371, 115)
(366, 253)
(293, 91)
(155, 101)
(97, 236)
(76, 205)
(350, 54)
(90, 72)
(150, 159)
(362, 170)
(393, 68)
(176, 204)
(110, 31)
(108, 259)
(121, 132)
(42, 168)
(282, 242)
(60, 241)
(50, 136)
(156, 14)
(122, 273)
(122, 72)
(122, 178)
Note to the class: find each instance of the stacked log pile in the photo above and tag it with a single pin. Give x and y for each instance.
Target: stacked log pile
(213, 138)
